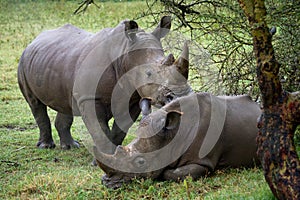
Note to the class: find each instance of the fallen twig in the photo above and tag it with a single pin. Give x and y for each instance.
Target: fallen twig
(11, 163)
(33, 159)
(19, 149)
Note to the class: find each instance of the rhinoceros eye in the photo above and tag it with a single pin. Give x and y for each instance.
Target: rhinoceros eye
(140, 162)
(158, 125)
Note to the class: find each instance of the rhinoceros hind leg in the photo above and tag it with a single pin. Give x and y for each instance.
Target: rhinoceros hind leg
(180, 173)
(63, 124)
(39, 111)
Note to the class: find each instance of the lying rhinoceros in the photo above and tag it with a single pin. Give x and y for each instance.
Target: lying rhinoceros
(192, 135)
(97, 76)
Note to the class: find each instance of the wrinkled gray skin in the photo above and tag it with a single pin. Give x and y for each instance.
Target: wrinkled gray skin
(74, 72)
(235, 147)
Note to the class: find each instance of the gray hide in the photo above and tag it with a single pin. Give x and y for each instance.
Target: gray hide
(192, 135)
(76, 73)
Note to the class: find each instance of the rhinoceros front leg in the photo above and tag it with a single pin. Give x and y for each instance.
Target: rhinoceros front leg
(180, 173)
(118, 134)
(63, 124)
(94, 115)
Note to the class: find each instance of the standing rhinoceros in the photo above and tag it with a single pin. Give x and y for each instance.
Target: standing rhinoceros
(192, 135)
(76, 73)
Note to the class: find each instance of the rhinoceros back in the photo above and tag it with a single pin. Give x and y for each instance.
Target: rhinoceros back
(239, 133)
(58, 60)
(47, 66)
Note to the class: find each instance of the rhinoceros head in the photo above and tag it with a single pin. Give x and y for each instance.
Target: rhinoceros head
(142, 158)
(167, 80)
(155, 76)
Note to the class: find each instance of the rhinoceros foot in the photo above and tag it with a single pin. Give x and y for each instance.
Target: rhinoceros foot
(69, 145)
(45, 145)
(113, 182)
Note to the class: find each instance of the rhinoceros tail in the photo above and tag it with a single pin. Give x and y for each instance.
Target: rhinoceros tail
(21, 76)
(23, 85)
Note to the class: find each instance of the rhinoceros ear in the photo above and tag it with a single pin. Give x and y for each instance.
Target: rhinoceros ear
(131, 28)
(163, 27)
(173, 119)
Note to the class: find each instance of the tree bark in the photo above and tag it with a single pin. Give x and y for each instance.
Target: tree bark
(280, 113)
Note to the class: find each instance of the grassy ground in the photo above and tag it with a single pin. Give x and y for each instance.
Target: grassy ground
(30, 173)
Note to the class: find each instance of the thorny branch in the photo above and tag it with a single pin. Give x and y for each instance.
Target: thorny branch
(85, 5)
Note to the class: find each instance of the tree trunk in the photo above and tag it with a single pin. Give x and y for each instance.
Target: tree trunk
(280, 112)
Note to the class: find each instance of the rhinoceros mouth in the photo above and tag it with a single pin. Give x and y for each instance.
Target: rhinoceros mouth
(118, 180)
(114, 182)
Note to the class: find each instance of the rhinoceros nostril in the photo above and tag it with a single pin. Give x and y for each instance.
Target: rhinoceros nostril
(148, 73)
(169, 98)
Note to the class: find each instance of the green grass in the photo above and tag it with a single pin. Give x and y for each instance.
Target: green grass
(30, 173)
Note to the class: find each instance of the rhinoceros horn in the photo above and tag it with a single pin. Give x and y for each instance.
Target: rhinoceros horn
(145, 105)
(119, 162)
(182, 63)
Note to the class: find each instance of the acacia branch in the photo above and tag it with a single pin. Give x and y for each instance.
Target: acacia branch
(85, 4)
